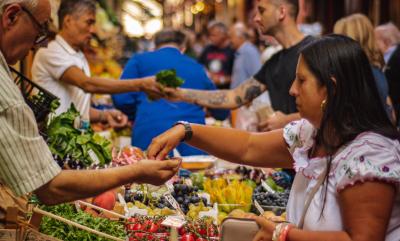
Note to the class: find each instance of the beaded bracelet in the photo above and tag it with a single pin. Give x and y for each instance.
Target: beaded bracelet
(284, 232)
(281, 231)
(277, 231)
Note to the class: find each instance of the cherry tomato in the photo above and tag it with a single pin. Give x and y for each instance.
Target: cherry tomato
(138, 226)
(182, 231)
(187, 237)
(153, 228)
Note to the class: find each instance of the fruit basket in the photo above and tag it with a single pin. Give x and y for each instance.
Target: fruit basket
(38, 99)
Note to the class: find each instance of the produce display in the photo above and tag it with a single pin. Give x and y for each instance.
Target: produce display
(74, 147)
(145, 207)
(65, 232)
(266, 198)
(169, 78)
(126, 156)
(235, 192)
(147, 228)
(186, 195)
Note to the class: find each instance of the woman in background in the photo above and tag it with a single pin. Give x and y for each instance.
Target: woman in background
(359, 27)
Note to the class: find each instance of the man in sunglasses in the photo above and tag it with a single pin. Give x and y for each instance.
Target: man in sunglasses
(63, 69)
(26, 164)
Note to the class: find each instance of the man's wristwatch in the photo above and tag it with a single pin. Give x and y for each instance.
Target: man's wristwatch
(188, 130)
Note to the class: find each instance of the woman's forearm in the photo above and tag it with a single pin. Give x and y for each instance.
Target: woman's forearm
(302, 235)
(256, 149)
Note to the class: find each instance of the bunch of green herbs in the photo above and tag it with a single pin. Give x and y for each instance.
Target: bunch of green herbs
(66, 232)
(83, 146)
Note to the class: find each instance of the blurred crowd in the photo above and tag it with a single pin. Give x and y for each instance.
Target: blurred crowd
(234, 53)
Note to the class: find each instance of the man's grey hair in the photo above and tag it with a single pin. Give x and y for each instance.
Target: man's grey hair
(241, 30)
(217, 24)
(389, 33)
(74, 7)
(29, 4)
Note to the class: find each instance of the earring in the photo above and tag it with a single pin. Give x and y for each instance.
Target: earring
(323, 105)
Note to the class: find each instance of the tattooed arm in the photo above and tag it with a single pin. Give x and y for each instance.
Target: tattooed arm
(225, 99)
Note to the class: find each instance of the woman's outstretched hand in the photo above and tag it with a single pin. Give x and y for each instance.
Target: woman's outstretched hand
(166, 142)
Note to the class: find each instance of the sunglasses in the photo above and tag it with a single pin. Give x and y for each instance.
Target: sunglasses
(43, 28)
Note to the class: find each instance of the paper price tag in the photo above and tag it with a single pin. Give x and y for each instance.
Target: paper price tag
(169, 186)
(133, 211)
(93, 156)
(174, 221)
(268, 188)
(171, 200)
(211, 213)
(258, 207)
(121, 200)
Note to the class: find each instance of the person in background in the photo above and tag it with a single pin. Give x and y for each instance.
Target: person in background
(247, 57)
(388, 37)
(278, 19)
(151, 118)
(359, 27)
(62, 68)
(345, 150)
(218, 56)
(247, 62)
(26, 163)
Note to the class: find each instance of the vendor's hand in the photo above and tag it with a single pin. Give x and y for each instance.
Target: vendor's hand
(116, 119)
(266, 228)
(156, 172)
(166, 142)
(152, 88)
(275, 121)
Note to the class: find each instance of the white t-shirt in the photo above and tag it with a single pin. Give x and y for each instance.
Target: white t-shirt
(369, 156)
(50, 64)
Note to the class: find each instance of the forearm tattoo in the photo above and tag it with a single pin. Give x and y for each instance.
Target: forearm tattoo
(207, 98)
(252, 92)
(239, 100)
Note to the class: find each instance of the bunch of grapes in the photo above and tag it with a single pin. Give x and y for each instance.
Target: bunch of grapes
(185, 195)
(265, 198)
(67, 160)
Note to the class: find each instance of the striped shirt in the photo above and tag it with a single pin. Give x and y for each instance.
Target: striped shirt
(25, 159)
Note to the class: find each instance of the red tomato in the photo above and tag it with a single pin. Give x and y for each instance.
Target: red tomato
(153, 228)
(130, 227)
(132, 220)
(182, 231)
(137, 227)
(212, 232)
(187, 237)
(201, 239)
(202, 231)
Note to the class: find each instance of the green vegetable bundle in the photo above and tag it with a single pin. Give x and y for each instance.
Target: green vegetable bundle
(65, 232)
(169, 78)
(70, 144)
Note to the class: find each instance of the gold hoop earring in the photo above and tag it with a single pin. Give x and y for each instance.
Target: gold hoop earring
(323, 105)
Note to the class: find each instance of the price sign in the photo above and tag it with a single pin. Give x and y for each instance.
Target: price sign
(171, 200)
(174, 221)
(266, 187)
(258, 207)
